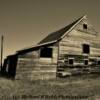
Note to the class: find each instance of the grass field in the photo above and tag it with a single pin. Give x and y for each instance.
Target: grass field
(71, 88)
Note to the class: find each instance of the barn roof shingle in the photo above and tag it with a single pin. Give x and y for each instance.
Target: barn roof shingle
(57, 34)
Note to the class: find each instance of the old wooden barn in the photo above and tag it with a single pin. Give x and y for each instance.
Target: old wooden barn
(75, 46)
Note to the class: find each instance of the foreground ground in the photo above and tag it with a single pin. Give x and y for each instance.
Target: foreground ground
(72, 88)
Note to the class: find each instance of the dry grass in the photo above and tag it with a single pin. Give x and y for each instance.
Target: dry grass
(59, 89)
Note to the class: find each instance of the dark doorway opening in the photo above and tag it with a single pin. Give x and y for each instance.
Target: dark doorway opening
(98, 62)
(46, 52)
(85, 62)
(84, 26)
(71, 61)
(86, 48)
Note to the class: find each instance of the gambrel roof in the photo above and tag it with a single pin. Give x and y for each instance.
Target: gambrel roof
(55, 36)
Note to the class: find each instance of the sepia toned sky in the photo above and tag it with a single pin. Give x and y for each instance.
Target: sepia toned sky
(25, 22)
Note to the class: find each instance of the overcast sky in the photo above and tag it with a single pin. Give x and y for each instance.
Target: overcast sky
(25, 22)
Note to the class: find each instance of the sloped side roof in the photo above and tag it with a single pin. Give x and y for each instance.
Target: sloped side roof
(56, 35)
(30, 49)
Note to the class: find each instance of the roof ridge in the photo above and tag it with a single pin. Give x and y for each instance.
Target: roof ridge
(76, 22)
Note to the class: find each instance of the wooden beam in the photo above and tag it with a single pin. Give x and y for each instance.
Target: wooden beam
(1, 50)
(57, 59)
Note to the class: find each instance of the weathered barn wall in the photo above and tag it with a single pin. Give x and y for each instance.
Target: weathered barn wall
(31, 66)
(71, 45)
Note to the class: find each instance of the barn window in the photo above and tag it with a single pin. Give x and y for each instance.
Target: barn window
(84, 26)
(86, 48)
(71, 61)
(86, 62)
(46, 52)
(99, 62)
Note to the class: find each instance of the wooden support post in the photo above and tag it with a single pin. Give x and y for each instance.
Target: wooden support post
(57, 60)
(38, 56)
(1, 50)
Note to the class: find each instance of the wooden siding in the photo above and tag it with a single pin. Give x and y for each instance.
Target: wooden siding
(71, 44)
(31, 66)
